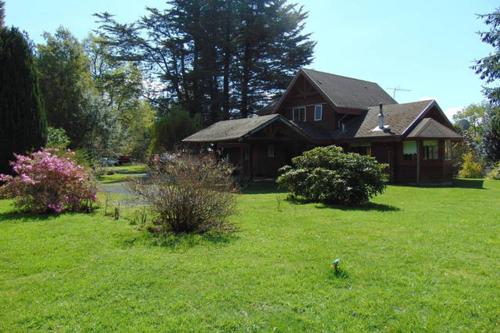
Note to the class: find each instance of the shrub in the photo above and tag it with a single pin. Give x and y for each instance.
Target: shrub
(327, 174)
(494, 172)
(45, 182)
(188, 194)
(57, 138)
(471, 168)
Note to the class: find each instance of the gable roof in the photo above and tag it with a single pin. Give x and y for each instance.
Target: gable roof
(349, 92)
(429, 128)
(400, 119)
(342, 91)
(236, 129)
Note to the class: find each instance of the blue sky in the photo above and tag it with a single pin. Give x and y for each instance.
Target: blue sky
(424, 46)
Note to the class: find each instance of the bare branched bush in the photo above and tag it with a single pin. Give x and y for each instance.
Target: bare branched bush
(188, 194)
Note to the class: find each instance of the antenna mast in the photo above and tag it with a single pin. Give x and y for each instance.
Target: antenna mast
(397, 89)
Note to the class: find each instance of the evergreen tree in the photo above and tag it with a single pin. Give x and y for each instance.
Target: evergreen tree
(491, 134)
(22, 117)
(2, 14)
(488, 67)
(214, 57)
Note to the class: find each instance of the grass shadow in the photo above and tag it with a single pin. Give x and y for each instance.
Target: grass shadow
(182, 242)
(477, 184)
(261, 188)
(369, 206)
(23, 217)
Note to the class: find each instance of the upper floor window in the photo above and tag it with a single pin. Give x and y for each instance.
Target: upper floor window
(318, 112)
(447, 149)
(431, 150)
(270, 151)
(409, 150)
(299, 113)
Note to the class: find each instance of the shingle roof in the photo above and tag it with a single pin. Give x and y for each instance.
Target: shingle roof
(429, 128)
(228, 130)
(398, 117)
(349, 92)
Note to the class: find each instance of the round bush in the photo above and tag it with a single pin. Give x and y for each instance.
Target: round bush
(45, 182)
(327, 174)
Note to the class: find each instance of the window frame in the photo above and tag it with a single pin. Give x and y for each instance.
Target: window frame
(447, 150)
(299, 108)
(271, 153)
(413, 155)
(320, 106)
(435, 153)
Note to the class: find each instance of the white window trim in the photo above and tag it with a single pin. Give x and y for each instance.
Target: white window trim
(321, 113)
(297, 108)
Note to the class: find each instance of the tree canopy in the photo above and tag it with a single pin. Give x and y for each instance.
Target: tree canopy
(488, 67)
(214, 57)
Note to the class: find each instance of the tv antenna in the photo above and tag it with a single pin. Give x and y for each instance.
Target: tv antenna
(397, 89)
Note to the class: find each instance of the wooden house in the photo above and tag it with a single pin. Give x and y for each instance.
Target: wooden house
(317, 109)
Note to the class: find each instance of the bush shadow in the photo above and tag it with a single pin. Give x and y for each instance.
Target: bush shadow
(261, 188)
(369, 206)
(24, 217)
(182, 242)
(477, 184)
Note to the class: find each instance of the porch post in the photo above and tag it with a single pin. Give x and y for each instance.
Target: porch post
(418, 162)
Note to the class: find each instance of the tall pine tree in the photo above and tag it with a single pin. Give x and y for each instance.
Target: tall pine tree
(215, 57)
(2, 14)
(22, 116)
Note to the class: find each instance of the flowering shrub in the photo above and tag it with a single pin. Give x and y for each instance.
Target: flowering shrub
(45, 182)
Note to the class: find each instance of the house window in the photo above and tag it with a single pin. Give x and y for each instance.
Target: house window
(409, 150)
(431, 148)
(361, 148)
(299, 114)
(447, 150)
(318, 112)
(270, 151)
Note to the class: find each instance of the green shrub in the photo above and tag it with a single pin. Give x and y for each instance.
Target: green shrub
(57, 138)
(471, 168)
(495, 172)
(327, 174)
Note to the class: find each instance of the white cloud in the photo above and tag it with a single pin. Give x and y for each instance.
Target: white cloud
(451, 111)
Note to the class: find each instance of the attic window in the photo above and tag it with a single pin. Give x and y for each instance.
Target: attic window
(270, 151)
(318, 112)
(299, 114)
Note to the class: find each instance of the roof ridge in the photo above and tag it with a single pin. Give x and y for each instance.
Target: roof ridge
(342, 76)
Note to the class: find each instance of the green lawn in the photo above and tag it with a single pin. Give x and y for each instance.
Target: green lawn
(417, 259)
(117, 174)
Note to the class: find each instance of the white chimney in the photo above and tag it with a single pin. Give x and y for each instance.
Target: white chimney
(381, 117)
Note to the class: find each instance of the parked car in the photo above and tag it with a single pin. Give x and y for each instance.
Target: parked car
(108, 161)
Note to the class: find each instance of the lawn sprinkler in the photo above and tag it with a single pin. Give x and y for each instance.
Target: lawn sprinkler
(336, 265)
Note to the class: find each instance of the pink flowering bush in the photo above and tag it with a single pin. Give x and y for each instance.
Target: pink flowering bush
(45, 182)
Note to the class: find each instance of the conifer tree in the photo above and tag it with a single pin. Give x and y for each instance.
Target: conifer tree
(22, 117)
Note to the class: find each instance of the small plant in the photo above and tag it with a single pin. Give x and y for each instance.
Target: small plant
(336, 265)
(494, 172)
(188, 194)
(45, 182)
(327, 174)
(471, 168)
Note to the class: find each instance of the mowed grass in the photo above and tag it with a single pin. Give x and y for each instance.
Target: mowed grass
(117, 174)
(417, 259)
